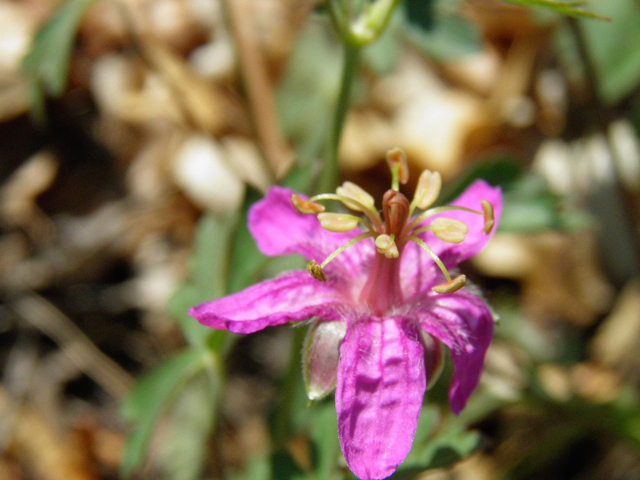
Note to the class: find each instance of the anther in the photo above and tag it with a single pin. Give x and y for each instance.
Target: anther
(452, 285)
(351, 191)
(387, 246)
(487, 213)
(449, 229)
(397, 161)
(338, 222)
(305, 206)
(427, 190)
(316, 271)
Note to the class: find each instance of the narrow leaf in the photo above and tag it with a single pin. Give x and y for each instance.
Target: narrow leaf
(566, 8)
(149, 399)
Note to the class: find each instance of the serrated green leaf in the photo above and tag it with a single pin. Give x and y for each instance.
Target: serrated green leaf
(569, 8)
(47, 62)
(149, 399)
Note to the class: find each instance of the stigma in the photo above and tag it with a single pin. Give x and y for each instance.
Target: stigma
(399, 221)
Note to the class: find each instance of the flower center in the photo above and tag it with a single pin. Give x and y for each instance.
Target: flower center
(394, 229)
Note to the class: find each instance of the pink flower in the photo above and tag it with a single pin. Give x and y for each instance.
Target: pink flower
(378, 322)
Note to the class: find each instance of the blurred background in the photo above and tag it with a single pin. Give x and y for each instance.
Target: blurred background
(134, 136)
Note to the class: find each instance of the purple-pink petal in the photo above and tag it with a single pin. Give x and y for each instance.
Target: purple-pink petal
(280, 230)
(380, 387)
(464, 323)
(476, 239)
(290, 297)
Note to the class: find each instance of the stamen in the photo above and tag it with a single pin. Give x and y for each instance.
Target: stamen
(316, 271)
(354, 192)
(340, 222)
(435, 257)
(306, 207)
(427, 190)
(489, 219)
(452, 285)
(434, 211)
(386, 245)
(447, 229)
(352, 204)
(397, 161)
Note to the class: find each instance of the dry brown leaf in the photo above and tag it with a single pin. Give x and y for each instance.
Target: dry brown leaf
(559, 274)
(617, 341)
(18, 207)
(44, 452)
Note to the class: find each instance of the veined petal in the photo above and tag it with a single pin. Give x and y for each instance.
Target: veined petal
(380, 387)
(464, 323)
(476, 239)
(280, 230)
(290, 297)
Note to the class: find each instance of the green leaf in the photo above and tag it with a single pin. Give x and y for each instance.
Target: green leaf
(256, 468)
(246, 261)
(306, 96)
(47, 63)
(613, 49)
(438, 31)
(528, 204)
(191, 421)
(451, 443)
(324, 433)
(570, 8)
(502, 171)
(149, 399)
(209, 271)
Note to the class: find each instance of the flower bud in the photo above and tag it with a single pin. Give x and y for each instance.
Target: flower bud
(320, 356)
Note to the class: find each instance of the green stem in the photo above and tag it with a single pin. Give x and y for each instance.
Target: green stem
(330, 173)
(291, 381)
